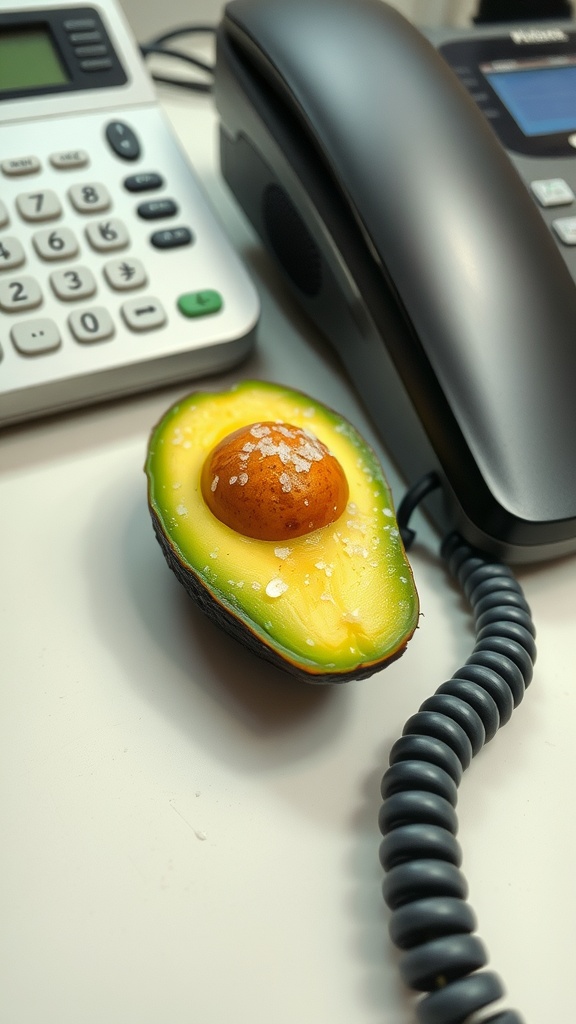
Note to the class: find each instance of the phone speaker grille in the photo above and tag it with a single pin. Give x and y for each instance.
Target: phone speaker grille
(291, 241)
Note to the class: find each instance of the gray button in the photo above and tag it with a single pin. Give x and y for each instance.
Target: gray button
(143, 314)
(90, 325)
(33, 337)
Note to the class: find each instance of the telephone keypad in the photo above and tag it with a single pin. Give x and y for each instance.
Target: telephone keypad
(89, 279)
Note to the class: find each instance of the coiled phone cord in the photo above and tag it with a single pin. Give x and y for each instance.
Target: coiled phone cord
(431, 921)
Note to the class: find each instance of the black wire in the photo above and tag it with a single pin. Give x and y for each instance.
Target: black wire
(431, 921)
(156, 46)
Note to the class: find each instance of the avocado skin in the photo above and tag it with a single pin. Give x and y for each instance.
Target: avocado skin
(203, 418)
(237, 629)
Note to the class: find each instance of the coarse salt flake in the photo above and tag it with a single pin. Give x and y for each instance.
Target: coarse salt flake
(276, 587)
(282, 552)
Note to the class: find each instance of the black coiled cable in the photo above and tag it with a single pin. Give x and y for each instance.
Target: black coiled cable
(431, 921)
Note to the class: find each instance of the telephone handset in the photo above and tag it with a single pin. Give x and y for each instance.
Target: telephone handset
(404, 229)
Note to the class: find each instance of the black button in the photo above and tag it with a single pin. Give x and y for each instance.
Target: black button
(77, 38)
(157, 208)
(123, 140)
(144, 182)
(80, 24)
(96, 64)
(97, 50)
(170, 238)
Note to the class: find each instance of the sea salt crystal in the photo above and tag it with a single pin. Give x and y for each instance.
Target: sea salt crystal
(276, 587)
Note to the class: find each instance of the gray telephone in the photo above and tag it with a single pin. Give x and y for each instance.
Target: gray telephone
(419, 199)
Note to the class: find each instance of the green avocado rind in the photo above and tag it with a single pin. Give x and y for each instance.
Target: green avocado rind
(239, 612)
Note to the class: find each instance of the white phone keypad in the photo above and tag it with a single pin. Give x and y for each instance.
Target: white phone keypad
(106, 249)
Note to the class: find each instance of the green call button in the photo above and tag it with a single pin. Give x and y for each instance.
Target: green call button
(200, 303)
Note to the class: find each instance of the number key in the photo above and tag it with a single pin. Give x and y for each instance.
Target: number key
(59, 244)
(107, 235)
(89, 325)
(75, 283)
(89, 198)
(11, 253)
(40, 205)
(23, 293)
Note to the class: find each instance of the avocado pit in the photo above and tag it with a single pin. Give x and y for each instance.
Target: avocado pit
(273, 481)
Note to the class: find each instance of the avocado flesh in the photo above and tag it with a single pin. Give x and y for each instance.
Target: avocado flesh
(335, 604)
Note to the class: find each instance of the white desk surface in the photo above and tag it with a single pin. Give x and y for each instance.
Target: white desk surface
(189, 835)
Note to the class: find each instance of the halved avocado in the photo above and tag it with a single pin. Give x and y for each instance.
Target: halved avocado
(335, 602)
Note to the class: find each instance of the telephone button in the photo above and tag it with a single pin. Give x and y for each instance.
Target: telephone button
(552, 192)
(4, 218)
(38, 206)
(171, 238)
(82, 37)
(202, 303)
(11, 253)
(143, 314)
(91, 325)
(123, 275)
(565, 228)
(80, 24)
(92, 50)
(20, 165)
(95, 64)
(55, 244)
(72, 284)
(91, 197)
(155, 209)
(143, 182)
(122, 140)
(34, 337)
(69, 159)
(107, 235)
(19, 294)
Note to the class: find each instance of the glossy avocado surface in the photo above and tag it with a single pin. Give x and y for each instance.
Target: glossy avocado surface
(326, 602)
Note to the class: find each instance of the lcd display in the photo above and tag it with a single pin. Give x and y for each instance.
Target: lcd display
(29, 60)
(541, 100)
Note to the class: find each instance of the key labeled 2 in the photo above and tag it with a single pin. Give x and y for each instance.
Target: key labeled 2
(19, 293)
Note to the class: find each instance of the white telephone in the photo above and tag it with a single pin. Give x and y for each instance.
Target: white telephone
(114, 274)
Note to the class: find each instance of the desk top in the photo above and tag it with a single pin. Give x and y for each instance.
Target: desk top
(190, 835)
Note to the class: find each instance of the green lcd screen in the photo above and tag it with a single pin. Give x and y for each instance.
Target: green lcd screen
(28, 60)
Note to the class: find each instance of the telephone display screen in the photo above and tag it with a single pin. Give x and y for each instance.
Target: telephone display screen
(29, 60)
(541, 99)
